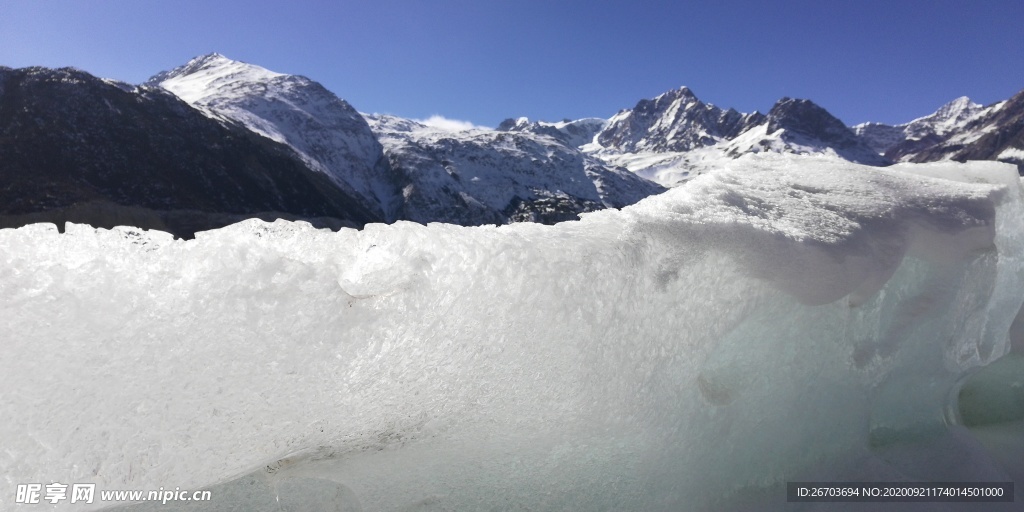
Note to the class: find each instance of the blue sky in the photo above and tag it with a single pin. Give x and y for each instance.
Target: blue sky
(485, 60)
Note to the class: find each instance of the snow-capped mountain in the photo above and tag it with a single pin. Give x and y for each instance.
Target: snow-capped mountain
(74, 147)
(673, 121)
(325, 131)
(948, 118)
(216, 140)
(802, 127)
(488, 176)
(960, 130)
(428, 175)
(996, 134)
(674, 137)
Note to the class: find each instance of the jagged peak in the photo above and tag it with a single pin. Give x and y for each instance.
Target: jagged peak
(514, 123)
(663, 101)
(956, 111)
(786, 100)
(961, 102)
(682, 92)
(790, 107)
(956, 108)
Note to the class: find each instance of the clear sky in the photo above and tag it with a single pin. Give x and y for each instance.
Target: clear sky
(485, 60)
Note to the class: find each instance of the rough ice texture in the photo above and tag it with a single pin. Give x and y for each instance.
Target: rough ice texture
(786, 318)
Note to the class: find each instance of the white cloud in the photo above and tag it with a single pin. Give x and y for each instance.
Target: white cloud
(449, 125)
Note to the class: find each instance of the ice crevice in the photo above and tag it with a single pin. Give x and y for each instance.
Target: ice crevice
(785, 318)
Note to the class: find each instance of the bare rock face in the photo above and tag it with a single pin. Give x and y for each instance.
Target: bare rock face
(805, 122)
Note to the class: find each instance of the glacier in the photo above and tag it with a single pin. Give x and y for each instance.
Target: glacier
(781, 318)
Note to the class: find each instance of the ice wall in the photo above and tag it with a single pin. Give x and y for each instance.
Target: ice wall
(787, 318)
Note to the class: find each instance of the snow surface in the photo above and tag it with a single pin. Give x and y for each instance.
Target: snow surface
(1011, 153)
(669, 168)
(784, 318)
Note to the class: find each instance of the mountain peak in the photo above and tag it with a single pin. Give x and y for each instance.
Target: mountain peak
(957, 110)
(805, 123)
(206, 74)
(208, 58)
(673, 121)
(946, 119)
(959, 103)
(683, 93)
(193, 65)
(207, 61)
(807, 118)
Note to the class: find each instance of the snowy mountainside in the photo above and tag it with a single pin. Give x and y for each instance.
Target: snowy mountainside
(487, 176)
(571, 133)
(325, 131)
(666, 168)
(948, 118)
(960, 130)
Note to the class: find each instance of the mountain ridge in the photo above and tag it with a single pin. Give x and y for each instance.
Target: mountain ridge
(418, 174)
(354, 168)
(959, 130)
